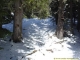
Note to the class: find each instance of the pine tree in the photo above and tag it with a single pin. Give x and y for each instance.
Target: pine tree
(78, 24)
(59, 30)
(18, 15)
(71, 15)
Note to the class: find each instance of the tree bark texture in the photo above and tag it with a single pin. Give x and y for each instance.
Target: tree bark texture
(71, 15)
(59, 30)
(78, 24)
(17, 27)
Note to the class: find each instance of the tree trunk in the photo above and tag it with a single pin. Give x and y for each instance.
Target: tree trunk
(17, 27)
(59, 30)
(78, 24)
(56, 17)
(71, 15)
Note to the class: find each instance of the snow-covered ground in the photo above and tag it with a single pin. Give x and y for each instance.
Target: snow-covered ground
(39, 43)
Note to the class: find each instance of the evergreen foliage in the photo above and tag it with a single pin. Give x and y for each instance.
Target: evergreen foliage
(5, 12)
(36, 8)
